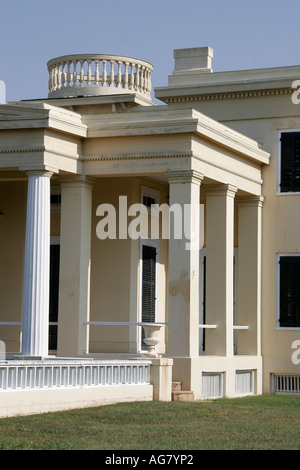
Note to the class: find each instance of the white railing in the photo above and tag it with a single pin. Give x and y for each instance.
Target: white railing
(48, 374)
(151, 331)
(92, 75)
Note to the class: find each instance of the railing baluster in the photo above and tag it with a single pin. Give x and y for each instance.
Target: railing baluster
(96, 81)
(81, 79)
(112, 73)
(104, 73)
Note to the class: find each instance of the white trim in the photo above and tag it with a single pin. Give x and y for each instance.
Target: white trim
(151, 192)
(278, 327)
(155, 244)
(278, 192)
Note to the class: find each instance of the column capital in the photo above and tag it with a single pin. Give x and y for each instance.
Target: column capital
(38, 169)
(184, 176)
(220, 190)
(251, 201)
(76, 180)
(46, 173)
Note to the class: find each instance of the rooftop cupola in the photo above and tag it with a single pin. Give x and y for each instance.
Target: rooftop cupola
(98, 74)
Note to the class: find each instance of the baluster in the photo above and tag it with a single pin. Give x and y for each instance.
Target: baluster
(119, 79)
(96, 81)
(137, 77)
(59, 76)
(125, 82)
(132, 76)
(81, 79)
(51, 79)
(149, 81)
(146, 80)
(89, 73)
(68, 74)
(142, 85)
(63, 77)
(75, 73)
(104, 73)
(112, 74)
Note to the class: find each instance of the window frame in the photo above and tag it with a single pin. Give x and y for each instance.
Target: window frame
(153, 243)
(278, 189)
(152, 193)
(278, 327)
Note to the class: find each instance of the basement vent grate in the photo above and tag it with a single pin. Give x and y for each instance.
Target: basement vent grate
(284, 383)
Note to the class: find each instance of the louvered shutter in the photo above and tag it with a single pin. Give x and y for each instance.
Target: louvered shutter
(53, 295)
(148, 283)
(289, 291)
(290, 162)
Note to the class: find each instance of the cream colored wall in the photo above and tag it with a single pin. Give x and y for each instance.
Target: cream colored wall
(114, 271)
(13, 199)
(261, 119)
(12, 241)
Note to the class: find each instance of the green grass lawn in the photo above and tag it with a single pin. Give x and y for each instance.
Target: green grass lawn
(270, 422)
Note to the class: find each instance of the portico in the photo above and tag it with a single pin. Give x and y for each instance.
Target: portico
(118, 146)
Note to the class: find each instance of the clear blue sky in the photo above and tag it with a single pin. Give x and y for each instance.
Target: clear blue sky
(243, 34)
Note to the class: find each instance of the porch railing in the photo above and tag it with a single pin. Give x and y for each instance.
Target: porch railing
(70, 373)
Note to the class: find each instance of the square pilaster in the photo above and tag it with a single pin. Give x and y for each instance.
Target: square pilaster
(219, 268)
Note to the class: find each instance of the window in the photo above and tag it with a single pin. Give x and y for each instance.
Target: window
(289, 162)
(288, 291)
(149, 260)
(149, 196)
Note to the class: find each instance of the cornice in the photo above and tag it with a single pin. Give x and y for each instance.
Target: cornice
(136, 156)
(228, 95)
(5, 150)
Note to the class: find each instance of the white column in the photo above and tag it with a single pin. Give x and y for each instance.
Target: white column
(36, 269)
(219, 268)
(75, 264)
(249, 274)
(183, 303)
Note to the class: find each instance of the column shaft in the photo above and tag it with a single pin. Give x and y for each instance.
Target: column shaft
(249, 275)
(35, 321)
(183, 305)
(219, 269)
(75, 258)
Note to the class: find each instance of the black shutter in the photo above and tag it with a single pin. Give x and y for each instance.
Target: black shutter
(290, 162)
(204, 303)
(148, 283)
(53, 295)
(289, 291)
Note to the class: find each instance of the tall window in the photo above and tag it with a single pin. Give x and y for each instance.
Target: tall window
(149, 257)
(289, 164)
(289, 291)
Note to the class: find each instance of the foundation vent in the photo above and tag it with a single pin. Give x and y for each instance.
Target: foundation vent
(284, 383)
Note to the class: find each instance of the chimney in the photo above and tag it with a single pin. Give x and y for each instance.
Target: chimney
(193, 60)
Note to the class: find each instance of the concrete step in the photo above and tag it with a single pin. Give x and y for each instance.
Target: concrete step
(181, 395)
(176, 386)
